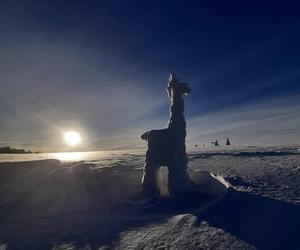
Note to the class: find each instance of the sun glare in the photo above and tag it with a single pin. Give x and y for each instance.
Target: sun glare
(72, 138)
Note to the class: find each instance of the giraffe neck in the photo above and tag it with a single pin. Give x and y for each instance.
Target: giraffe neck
(177, 119)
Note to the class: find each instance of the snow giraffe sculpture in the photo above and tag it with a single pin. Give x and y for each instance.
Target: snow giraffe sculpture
(166, 147)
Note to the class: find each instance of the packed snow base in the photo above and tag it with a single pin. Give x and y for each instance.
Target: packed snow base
(92, 205)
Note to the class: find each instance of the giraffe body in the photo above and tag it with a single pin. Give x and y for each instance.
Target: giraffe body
(166, 147)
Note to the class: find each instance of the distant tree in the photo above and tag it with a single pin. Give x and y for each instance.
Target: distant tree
(215, 143)
(9, 150)
(227, 142)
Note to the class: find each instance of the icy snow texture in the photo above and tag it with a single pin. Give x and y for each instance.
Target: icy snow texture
(49, 204)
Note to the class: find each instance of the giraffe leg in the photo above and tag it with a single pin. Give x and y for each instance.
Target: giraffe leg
(149, 181)
(179, 180)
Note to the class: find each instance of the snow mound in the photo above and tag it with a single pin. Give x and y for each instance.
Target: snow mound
(59, 199)
(209, 183)
(93, 205)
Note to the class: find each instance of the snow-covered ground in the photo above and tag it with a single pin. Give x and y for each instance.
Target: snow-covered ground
(93, 203)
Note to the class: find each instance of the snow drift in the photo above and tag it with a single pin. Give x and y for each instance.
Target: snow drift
(49, 204)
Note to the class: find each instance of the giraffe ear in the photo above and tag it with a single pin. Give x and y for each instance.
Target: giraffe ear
(185, 88)
(188, 90)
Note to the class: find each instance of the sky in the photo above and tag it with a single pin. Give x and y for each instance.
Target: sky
(101, 68)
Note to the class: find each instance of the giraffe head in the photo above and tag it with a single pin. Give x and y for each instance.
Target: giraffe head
(177, 88)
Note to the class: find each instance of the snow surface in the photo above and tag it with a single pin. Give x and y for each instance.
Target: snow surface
(247, 198)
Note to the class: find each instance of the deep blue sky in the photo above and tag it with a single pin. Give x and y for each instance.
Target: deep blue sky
(101, 67)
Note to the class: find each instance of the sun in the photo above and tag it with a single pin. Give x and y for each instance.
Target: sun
(72, 138)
